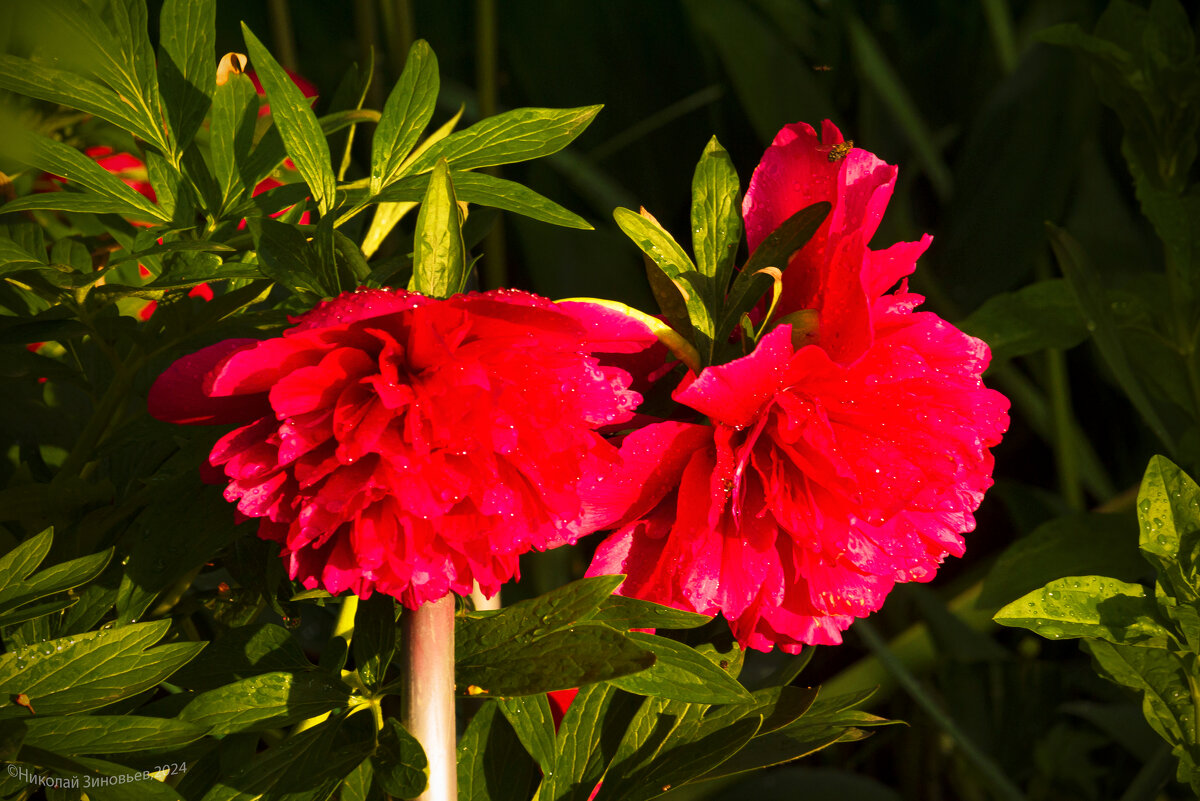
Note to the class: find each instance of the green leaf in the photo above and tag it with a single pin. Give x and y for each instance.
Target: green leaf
(1168, 512)
(1079, 544)
(297, 124)
(123, 61)
(533, 722)
(65, 161)
(625, 613)
(518, 135)
(358, 786)
(525, 620)
(87, 671)
(234, 117)
(187, 71)
(697, 289)
(285, 255)
(439, 258)
(774, 251)
(716, 217)
(243, 652)
(13, 256)
(405, 115)
(488, 190)
(558, 660)
(1084, 283)
(1039, 316)
(266, 701)
(374, 638)
(682, 674)
(669, 752)
(1162, 678)
(401, 767)
(20, 562)
(108, 734)
(1089, 606)
(306, 766)
(492, 766)
(55, 579)
(588, 737)
(43, 82)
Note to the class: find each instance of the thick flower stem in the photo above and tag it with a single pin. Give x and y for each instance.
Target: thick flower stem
(428, 650)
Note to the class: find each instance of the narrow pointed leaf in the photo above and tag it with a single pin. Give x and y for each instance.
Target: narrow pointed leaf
(518, 135)
(1168, 513)
(488, 190)
(405, 115)
(774, 251)
(297, 124)
(187, 70)
(716, 216)
(268, 701)
(682, 674)
(533, 722)
(108, 734)
(43, 82)
(439, 258)
(67, 162)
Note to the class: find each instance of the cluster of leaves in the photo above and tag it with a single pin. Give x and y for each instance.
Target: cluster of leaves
(161, 638)
(705, 300)
(1149, 642)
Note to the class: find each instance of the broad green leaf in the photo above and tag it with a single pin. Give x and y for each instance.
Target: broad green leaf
(533, 722)
(439, 257)
(1084, 283)
(625, 613)
(108, 734)
(24, 613)
(588, 737)
(55, 579)
(492, 766)
(1168, 512)
(374, 638)
(297, 124)
(20, 562)
(234, 117)
(43, 82)
(526, 620)
(488, 190)
(187, 69)
(518, 135)
(270, 151)
(1092, 544)
(558, 660)
(12, 255)
(680, 673)
(76, 202)
(89, 42)
(678, 760)
(716, 217)
(307, 766)
(1036, 317)
(400, 765)
(65, 161)
(1162, 678)
(358, 785)
(1089, 606)
(267, 701)
(405, 115)
(285, 255)
(243, 652)
(774, 251)
(86, 671)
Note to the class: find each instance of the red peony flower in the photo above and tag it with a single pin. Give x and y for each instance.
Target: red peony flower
(397, 443)
(838, 462)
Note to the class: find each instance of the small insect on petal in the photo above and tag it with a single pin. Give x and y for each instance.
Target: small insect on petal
(841, 150)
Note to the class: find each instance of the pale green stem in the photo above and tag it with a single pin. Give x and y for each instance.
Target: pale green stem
(482, 602)
(428, 713)
(281, 32)
(495, 264)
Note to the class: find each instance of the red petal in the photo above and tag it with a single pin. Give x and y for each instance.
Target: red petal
(178, 395)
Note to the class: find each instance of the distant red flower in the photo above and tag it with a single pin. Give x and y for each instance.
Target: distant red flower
(303, 84)
(838, 462)
(413, 446)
